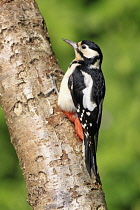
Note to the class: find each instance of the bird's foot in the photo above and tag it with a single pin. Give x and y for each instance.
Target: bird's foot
(54, 88)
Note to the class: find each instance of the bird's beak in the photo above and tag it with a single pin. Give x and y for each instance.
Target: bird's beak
(73, 44)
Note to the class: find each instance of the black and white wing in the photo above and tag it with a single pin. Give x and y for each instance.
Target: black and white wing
(88, 102)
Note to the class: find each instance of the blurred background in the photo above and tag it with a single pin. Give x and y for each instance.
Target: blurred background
(115, 27)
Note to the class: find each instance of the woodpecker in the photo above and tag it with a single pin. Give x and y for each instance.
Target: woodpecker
(81, 96)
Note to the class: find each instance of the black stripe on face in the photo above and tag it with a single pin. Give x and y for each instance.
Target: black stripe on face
(81, 54)
(89, 60)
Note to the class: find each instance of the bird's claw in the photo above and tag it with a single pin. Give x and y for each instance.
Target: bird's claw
(54, 88)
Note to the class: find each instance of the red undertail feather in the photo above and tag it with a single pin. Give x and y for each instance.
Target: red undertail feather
(78, 128)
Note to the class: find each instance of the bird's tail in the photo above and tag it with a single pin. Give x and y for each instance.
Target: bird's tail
(90, 157)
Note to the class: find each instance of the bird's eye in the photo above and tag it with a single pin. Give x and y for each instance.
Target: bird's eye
(83, 46)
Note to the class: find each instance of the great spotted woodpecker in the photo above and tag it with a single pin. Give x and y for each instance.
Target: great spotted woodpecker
(81, 96)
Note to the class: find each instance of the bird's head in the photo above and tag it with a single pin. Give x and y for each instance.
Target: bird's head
(87, 51)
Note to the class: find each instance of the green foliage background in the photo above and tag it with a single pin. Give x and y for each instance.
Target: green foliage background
(115, 27)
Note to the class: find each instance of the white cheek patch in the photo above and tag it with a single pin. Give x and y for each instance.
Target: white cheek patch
(89, 53)
(87, 103)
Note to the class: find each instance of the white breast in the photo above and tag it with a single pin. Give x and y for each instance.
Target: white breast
(65, 101)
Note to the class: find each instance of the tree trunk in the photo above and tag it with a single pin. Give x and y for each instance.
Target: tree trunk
(49, 152)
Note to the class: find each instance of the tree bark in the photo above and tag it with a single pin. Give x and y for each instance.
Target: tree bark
(49, 152)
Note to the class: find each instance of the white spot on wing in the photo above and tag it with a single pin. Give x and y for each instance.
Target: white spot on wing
(88, 113)
(84, 126)
(87, 134)
(71, 86)
(87, 103)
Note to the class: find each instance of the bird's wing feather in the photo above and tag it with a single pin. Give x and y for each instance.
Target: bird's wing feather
(76, 86)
